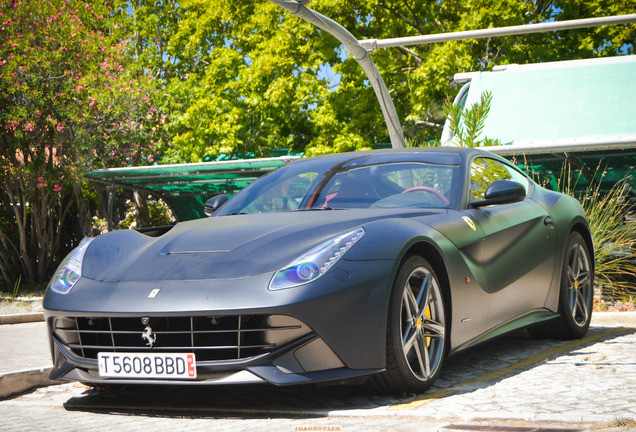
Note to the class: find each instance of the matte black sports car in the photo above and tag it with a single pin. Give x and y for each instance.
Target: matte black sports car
(373, 263)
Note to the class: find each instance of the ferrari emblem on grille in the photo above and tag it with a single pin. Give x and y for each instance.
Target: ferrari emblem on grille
(149, 336)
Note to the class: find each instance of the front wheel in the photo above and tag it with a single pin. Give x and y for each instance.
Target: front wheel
(576, 295)
(416, 330)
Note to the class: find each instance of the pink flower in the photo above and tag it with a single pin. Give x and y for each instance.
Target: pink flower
(40, 179)
(57, 188)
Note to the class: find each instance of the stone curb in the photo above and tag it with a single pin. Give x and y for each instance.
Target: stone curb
(14, 383)
(21, 318)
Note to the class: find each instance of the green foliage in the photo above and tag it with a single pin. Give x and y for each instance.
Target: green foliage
(467, 124)
(16, 287)
(88, 84)
(248, 77)
(614, 237)
(70, 98)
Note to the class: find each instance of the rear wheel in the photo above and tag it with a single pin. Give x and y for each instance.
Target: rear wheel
(576, 295)
(416, 330)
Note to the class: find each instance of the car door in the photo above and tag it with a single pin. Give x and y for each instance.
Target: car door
(519, 244)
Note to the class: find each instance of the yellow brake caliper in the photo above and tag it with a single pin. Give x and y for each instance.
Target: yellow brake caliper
(419, 324)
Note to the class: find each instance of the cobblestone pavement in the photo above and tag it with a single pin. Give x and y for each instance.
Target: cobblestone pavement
(513, 384)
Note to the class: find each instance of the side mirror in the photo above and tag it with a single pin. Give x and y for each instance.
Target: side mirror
(502, 192)
(214, 203)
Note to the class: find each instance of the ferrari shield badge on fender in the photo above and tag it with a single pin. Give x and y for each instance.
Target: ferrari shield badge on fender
(470, 223)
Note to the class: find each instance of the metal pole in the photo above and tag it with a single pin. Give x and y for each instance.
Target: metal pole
(112, 192)
(360, 53)
(374, 44)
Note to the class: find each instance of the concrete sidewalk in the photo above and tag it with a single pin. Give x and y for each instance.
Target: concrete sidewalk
(25, 359)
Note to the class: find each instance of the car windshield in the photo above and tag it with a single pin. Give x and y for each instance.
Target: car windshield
(323, 186)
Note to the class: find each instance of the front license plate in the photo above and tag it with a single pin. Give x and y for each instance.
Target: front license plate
(146, 365)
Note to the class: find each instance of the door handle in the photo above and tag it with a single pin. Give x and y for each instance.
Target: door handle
(549, 222)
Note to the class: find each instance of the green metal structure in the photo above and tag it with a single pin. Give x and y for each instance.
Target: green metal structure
(186, 187)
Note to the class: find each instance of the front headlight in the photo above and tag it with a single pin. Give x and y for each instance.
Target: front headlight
(316, 262)
(70, 270)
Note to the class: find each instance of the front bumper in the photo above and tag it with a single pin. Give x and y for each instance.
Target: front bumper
(336, 326)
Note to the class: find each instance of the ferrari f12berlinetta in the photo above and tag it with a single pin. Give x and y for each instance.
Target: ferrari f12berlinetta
(377, 264)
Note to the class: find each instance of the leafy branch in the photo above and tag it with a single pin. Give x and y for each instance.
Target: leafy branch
(467, 124)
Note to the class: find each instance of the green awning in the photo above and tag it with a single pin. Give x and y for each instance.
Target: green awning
(186, 187)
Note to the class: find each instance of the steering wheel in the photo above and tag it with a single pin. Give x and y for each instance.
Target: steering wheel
(431, 190)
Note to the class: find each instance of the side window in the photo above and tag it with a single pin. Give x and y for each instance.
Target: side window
(485, 171)
(520, 178)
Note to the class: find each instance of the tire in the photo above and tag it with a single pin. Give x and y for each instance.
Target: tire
(416, 330)
(576, 294)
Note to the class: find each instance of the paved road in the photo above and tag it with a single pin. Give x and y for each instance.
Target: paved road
(513, 384)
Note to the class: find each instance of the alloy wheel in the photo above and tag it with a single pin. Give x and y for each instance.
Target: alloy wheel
(422, 323)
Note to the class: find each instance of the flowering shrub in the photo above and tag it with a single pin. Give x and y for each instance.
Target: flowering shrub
(72, 99)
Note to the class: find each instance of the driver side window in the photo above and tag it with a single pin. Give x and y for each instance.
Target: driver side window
(485, 171)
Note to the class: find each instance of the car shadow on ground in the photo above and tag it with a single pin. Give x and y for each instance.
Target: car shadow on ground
(479, 367)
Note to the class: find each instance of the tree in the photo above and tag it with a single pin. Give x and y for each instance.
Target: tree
(247, 77)
(87, 84)
(69, 100)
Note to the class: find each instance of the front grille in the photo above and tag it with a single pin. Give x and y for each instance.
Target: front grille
(210, 338)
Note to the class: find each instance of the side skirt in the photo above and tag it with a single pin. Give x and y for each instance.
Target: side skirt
(531, 318)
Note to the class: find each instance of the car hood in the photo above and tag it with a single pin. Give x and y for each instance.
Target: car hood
(223, 247)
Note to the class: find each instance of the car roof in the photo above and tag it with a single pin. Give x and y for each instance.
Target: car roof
(447, 155)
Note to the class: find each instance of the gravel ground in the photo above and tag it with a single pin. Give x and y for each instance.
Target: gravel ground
(20, 305)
